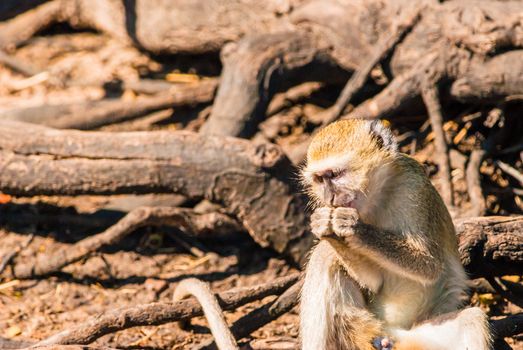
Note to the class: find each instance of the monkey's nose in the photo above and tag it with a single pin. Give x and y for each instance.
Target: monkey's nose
(328, 196)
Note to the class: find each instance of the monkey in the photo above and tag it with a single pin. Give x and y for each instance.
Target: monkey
(386, 262)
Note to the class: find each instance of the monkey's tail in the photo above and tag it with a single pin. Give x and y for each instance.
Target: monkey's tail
(212, 310)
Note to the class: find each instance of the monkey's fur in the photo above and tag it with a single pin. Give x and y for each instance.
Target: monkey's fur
(387, 261)
(211, 308)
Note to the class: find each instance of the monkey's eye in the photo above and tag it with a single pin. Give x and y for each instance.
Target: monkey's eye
(317, 178)
(334, 174)
(338, 173)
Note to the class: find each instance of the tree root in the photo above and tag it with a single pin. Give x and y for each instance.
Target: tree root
(10, 256)
(158, 313)
(252, 70)
(473, 176)
(55, 261)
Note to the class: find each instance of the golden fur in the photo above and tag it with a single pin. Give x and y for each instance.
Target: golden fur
(408, 264)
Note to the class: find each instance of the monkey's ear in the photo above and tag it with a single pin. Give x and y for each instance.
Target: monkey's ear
(383, 135)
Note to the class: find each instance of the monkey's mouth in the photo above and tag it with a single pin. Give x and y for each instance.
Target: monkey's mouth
(349, 200)
(345, 202)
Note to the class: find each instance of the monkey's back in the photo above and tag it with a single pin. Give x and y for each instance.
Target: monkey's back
(415, 209)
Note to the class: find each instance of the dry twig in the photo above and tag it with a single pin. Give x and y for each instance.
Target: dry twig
(511, 171)
(430, 96)
(474, 182)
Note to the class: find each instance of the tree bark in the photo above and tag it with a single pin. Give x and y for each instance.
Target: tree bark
(252, 181)
(253, 71)
(491, 245)
(497, 78)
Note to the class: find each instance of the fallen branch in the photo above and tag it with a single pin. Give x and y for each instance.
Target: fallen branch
(94, 114)
(473, 174)
(70, 347)
(252, 71)
(382, 49)
(495, 79)
(161, 313)
(253, 182)
(430, 96)
(402, 88)
(491, 246)
(292, 96)
(56, 260)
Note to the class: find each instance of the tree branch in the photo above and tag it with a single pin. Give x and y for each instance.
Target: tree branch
(380, 52)
(254, 182)
(161, 313)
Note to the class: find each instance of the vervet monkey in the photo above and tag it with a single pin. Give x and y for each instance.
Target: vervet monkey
(387, 264)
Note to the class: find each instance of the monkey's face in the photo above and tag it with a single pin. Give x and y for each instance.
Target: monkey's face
(342, 162)
(336, 182)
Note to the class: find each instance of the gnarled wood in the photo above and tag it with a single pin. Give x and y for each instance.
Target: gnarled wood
(491, 245)
(252, 71)
(254, 182)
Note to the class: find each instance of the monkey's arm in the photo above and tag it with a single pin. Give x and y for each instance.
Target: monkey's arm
(413, 258)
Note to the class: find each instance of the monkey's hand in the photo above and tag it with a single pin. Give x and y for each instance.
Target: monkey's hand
(321, 222)
(343, 221)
